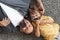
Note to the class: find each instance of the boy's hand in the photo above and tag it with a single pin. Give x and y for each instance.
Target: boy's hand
(5, 22)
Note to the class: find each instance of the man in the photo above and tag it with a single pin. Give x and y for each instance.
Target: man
(22, 6)
(14, 17)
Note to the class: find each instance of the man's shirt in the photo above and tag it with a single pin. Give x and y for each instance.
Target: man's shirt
(20, 5)
(14, 16)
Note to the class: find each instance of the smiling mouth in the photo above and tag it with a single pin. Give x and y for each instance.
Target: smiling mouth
(36, 18)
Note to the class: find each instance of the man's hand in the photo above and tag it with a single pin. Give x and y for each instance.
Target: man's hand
(40, 6)
(4, 22)
(41, 10)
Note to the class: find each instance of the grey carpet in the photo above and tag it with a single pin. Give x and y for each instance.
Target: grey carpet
(52, 9)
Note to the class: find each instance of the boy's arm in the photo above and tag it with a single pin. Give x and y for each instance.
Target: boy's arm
(40, 6)
(37, 31)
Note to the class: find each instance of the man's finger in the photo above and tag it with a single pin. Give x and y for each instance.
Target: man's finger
(8, 21)
(3, 19)
(6, 18)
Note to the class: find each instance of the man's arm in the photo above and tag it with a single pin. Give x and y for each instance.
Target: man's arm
(40, 6)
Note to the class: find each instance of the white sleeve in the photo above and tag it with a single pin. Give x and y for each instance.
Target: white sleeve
(12, 14)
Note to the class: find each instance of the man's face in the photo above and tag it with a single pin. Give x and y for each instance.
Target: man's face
(27, 30)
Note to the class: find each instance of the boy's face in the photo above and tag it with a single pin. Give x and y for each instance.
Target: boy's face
(35, 16)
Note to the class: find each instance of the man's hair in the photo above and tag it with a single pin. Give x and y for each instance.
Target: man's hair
(22, 24)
